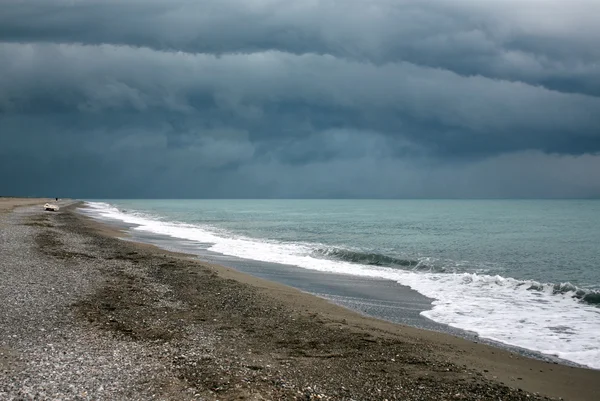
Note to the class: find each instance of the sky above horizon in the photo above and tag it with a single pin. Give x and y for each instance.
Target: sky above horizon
(300, 99)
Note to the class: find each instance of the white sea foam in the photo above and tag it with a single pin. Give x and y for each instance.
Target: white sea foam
(498, 308)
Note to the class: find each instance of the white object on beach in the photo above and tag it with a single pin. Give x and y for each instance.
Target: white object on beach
(51, 207)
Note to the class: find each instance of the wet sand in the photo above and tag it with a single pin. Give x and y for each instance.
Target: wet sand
(186, 329)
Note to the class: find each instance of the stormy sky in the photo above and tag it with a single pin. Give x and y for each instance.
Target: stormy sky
(309, 98)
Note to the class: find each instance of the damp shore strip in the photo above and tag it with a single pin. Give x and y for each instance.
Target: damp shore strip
(90, 316)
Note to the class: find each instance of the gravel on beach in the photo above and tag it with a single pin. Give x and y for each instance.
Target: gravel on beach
(86, 316)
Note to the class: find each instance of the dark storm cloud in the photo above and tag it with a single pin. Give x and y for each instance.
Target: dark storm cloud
(546, 42)
(272, 90)
(320, 98)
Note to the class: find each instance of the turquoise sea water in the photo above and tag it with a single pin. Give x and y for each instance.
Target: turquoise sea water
(521, 272)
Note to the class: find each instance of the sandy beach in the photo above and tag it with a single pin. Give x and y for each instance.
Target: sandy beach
(90, 316)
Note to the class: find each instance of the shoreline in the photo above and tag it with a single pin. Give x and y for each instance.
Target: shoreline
(222, 334)
(360, 294)
(337, 310)
(377, 298)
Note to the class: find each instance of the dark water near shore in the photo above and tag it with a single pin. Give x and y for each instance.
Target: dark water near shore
(523, 273)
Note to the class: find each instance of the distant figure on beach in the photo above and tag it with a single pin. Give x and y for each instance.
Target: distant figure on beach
(56, 199)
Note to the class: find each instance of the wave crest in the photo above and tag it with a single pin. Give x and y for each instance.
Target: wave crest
(375, 259)
(588, 296)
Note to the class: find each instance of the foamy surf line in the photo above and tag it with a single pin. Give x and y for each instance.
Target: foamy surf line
(522, 314)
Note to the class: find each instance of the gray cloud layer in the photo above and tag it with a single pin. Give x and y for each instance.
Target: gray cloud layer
(274, 98)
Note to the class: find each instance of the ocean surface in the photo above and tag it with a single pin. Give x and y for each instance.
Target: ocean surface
(525, 273)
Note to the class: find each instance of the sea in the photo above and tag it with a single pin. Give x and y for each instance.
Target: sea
(524, 273)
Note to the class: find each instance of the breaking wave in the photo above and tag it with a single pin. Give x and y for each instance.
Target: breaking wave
(591, 297)
(376, 259)
(366, 258)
